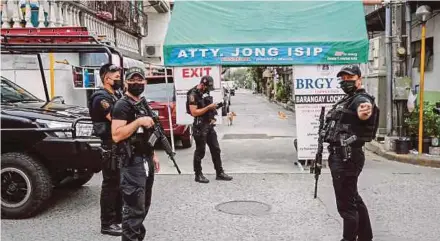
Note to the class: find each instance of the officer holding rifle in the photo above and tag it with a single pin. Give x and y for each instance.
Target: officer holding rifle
(349, 124)
(132, 131)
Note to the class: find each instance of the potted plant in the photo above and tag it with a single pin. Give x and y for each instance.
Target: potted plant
(433, 127)
(412, 126)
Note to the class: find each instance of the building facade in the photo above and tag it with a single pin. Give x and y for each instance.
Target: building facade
(405, 41)
(120, 24)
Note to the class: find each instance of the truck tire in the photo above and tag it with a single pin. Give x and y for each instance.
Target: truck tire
(26, 185)
(79, 182)
(188, 143)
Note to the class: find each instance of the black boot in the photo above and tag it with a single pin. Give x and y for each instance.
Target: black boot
(222, 176)
(200, 178)
(114, 230)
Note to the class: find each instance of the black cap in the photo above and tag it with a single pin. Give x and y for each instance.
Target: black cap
(351, 70)
(134, 71)
(208, 81)
(108, 68)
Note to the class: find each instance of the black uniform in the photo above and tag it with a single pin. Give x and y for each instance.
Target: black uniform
(137, 174)
(346, 163)
(204, 133)
(100, 105)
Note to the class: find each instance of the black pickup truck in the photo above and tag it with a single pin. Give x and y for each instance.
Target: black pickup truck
(44, 144)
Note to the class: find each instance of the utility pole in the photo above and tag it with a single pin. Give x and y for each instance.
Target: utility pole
(408, 42)
(389, 65)
(396, 30)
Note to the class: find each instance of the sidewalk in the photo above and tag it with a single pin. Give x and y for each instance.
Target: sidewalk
(379, 149)
(421, 160)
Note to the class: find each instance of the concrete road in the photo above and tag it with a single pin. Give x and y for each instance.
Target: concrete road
(257, 142)
(403, 200)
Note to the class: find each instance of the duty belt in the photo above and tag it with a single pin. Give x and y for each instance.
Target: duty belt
(337, 149)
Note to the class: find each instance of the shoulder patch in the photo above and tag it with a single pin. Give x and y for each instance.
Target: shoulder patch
(105, 105)
(191, 98)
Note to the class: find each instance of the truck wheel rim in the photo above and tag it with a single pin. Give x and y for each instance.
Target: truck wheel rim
(16, 187)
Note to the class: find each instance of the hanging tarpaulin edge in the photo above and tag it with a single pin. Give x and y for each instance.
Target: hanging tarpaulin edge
(266, 33)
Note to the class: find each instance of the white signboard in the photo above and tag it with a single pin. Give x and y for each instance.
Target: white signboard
(186, 78)
(315, 86)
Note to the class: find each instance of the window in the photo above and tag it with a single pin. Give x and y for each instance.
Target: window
(429, 53)
(11, 93)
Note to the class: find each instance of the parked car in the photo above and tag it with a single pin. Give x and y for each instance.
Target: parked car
(157, 93)
(44, 144)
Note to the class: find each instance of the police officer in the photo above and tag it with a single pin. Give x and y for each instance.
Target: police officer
(349, 124)
(138, 161)
(100, 105)
(203, 129)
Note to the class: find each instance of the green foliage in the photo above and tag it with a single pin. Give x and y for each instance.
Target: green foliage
(282, 92)
(431, 121)
(255, 74)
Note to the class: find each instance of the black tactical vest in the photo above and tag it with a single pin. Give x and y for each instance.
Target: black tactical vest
(101, 125)
(193, 91)
(138, 140)
(342, 122)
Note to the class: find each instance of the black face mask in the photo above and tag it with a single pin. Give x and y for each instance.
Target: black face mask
(117, 84)
(348, 86)
(207, 89)
(136, 89)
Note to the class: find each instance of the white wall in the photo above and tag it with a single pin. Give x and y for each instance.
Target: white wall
(24, 70)
(432, 78)
(157, 29)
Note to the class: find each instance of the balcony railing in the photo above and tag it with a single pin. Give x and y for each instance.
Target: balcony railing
(100, 18)
(126, 15)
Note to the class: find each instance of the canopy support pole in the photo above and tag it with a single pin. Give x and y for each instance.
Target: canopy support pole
(169, 112)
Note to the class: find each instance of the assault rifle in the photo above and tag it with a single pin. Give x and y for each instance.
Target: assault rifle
(317, 163)
(158, 133)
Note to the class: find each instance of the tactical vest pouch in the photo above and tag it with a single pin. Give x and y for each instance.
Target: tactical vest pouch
(330, 131)
(102, 129)
(153, 139)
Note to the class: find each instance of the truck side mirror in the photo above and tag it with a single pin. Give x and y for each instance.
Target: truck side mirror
(58, 99)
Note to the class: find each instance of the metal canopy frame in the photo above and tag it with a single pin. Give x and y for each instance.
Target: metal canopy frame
(39, 48)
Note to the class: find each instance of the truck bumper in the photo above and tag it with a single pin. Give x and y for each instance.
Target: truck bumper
(79, 153)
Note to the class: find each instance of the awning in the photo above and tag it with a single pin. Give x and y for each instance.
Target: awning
(128, 62)
(266, 33)
(376, 20)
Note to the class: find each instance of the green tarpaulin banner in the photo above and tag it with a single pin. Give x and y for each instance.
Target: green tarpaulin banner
(241, 33)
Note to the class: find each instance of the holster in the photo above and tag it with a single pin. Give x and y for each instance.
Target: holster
(345, 153)
(198, 121)
(126, 154)
(110, 154)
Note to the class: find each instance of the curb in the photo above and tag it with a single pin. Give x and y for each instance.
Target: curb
(428, 161)
(284, 105)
